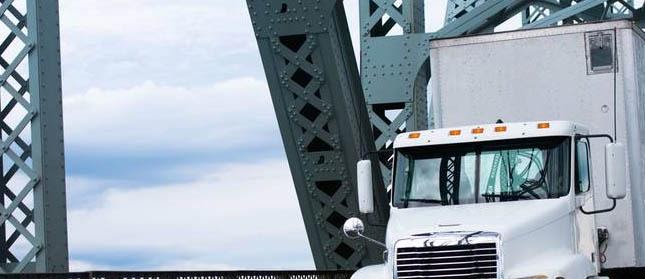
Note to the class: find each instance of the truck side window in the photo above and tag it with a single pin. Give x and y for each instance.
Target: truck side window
(582, 167)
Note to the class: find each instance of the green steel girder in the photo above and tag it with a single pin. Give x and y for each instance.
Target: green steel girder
(395, 70)
(316, 91)
(588, 10)
(33, 230)
(457, 8)
(45, 88)
(565, 13)
(540, 9)
(639, 17)
(481, 19)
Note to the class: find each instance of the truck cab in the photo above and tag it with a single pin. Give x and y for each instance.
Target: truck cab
(504, 200)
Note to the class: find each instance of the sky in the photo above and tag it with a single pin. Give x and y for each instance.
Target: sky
(173, 154)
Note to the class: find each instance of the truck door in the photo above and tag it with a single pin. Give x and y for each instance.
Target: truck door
(585, 226)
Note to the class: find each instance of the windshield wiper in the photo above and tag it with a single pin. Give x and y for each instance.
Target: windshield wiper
(423, 201)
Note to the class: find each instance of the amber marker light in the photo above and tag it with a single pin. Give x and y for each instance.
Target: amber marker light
(455, 132)
(543, 125)
(478, 131)
(500, 129)
(414, 135)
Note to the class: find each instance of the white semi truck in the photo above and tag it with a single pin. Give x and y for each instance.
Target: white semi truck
(536, 170)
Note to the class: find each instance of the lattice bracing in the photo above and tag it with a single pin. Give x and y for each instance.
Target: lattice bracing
(449, 181)
(457, 8)
(394, 76)
(622, 8)
(386, 19)
(19, 178)
(309, 108)
(24, 82)
(603, 10)
(534, 13)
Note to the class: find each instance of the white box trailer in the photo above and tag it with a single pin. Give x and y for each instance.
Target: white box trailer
(563, 73)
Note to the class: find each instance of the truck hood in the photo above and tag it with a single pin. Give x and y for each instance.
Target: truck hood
(528, 230)
(509, 219)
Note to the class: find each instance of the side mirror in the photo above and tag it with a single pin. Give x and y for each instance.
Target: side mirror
(353, 228)
(364, 183)
(615, 171)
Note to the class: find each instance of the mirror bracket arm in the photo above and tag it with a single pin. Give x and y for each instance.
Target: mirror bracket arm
(613, 206)
(372, 240)
(609, 137)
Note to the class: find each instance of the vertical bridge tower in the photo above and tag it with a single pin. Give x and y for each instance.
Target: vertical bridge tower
(33, 230)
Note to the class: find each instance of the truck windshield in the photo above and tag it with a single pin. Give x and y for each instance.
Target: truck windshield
(482, 172)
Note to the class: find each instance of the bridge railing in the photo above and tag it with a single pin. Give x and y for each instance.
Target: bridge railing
(186, 275)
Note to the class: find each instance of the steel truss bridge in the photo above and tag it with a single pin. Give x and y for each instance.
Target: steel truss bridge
(331, 112)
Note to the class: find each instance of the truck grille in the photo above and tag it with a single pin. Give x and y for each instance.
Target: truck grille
(453, 261)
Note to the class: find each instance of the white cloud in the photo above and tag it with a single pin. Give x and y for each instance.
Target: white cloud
(162, 22)
(80, 266)
(242, 215)
(233, 113)
(183, 265)
(160, 76)
(435, 13)
(121, 43)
